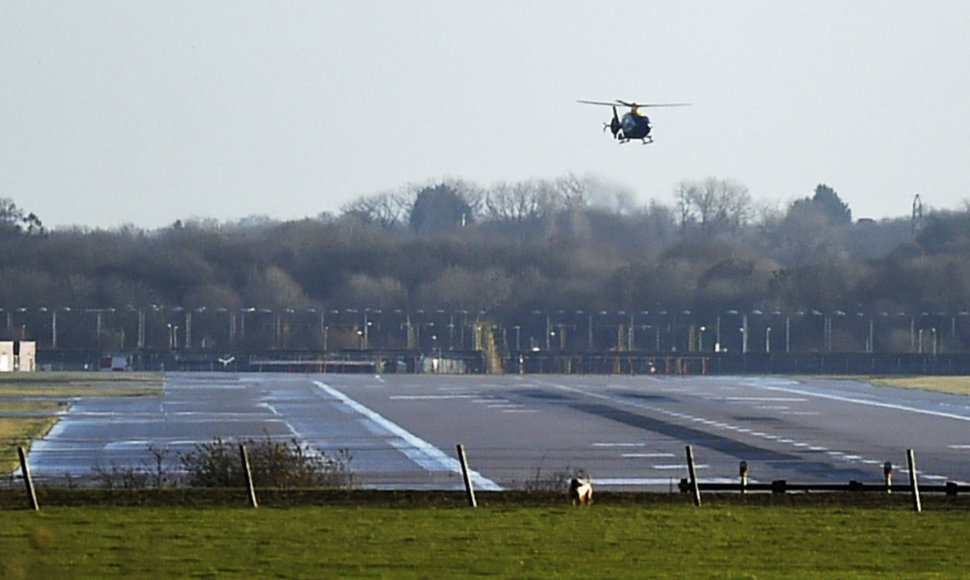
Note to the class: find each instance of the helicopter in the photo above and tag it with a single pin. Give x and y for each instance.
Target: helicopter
(632, 125)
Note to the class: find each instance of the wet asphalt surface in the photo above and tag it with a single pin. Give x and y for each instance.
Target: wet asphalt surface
(627, 432)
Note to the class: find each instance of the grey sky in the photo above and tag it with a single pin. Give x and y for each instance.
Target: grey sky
(147, 112)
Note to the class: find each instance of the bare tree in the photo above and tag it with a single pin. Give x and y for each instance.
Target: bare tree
(718, 206)
(384, 209)
(515, 203)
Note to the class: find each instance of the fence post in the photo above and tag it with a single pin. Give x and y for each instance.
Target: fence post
(469, 489)
(694, 487)
(913, 481)
(743, 472)
(249, 475)
(27, 480)
(887, 471)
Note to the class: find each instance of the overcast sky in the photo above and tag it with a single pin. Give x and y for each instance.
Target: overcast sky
(146, 112)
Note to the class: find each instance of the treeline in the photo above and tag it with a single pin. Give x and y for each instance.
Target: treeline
(510, 249)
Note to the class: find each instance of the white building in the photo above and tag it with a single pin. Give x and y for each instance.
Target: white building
(19, 356)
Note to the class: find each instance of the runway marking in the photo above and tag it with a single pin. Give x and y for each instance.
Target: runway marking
(866, 402)
(416, 449)
(427, 397)
(959, 446)
(678, 466)
(766, 399)
(647, 455)
(776, 438)
(619, 444)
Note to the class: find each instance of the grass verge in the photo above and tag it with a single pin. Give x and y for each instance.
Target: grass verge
(952, 385)
(19, 431)
(671, 540)
(68, 385)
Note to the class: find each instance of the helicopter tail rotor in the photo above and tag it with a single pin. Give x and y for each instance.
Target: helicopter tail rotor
(615, 124)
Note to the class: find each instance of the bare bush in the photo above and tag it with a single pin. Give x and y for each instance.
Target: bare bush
(152, 472)
(272, 463)
(119, 477)
(558, 480)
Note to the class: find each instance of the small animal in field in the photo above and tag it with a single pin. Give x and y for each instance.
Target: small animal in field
(580, 492)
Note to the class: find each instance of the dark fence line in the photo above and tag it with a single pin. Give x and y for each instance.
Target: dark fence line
(526, 362)
(782, 486)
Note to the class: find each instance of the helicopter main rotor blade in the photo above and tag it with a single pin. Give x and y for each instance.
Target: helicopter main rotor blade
(597, 103)
(638, 105)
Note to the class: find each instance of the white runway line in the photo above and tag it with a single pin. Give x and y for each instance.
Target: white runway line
(867, 402)
(416, 449)
(427, 397)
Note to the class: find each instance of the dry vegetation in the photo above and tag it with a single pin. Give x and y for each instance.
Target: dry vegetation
(952, 385)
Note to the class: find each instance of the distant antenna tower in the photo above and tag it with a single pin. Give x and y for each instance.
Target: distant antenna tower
(917, 214)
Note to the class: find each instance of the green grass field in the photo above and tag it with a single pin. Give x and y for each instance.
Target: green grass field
(604, 541)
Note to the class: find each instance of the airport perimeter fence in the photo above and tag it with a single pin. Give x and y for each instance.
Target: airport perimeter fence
(531, 362)
(144, 478)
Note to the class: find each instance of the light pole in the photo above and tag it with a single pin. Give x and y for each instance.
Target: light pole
(53, 328)
(141, 329)
(407, 332)
(173, 336)
(188, 328)
(744, 333)
(630, 339)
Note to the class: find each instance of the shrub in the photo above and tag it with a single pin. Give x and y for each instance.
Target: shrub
(558, 480)
(272, 464)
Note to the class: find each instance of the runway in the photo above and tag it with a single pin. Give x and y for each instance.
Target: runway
(627, 432)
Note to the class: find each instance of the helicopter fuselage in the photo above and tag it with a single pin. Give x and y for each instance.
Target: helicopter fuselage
(634, 126)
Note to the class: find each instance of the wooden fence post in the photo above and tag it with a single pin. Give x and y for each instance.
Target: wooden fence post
(249, 475)
(913, 481)
(469, 489)
(694, 487)
(27, 480)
